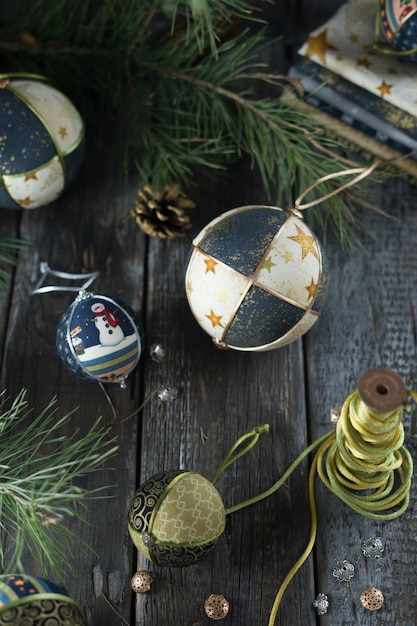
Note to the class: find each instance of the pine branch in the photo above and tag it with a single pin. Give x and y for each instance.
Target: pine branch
(185, 77)
(9, 256)
(39, 470)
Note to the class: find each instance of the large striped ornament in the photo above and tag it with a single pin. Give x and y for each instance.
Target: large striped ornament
(33, 601)
(41, 142)
(256, 279)
(99, 339)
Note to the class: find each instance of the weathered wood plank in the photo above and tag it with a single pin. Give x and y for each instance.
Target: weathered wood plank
(369, 321)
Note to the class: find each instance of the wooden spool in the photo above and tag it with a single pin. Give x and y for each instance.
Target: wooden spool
(381, 389)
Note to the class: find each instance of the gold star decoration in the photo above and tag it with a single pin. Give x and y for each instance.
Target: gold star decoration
(63, 131)
(307, 243)
(364, 63)
(189, 286)
(25, 201)
(318, 46)
(210, 265)
(385, 88)
(214, 319)
(288, 256)
(31, 176)
(312, 289)
(266, 264)
(222, 296)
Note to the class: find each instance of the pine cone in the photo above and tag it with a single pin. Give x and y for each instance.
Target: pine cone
(162, 214)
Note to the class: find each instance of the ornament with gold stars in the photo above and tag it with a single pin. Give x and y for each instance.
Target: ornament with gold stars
(41, 142)
(256, 279)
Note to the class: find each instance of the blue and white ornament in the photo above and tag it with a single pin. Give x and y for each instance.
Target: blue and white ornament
(41, 142)
(399, 24)
(32, 601)
(99, 339)
(257, 278)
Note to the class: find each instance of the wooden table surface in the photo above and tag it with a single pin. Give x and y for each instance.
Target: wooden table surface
(369, 321)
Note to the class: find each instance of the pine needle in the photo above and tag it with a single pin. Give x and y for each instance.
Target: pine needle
(38, 486)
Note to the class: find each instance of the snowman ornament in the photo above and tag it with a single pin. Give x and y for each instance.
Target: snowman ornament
(107, 323)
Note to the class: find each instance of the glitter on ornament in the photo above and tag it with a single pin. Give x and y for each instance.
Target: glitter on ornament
(141, 581)
(344, 570)
(321, 604)
(373, 547)
(42, 146)
(371, 599)
(216, 607)
(256, 279)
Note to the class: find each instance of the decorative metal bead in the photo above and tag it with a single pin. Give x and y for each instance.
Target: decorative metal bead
(321, 604)
(141, 581)
(344, 570)
(216, 607)
(168, 394)
(148, 540)
(373, 547)
(372, 599)
(157, 352)
(335, 414)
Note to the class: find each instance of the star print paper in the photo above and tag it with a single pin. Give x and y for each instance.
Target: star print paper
(344, 45)
(267, 280)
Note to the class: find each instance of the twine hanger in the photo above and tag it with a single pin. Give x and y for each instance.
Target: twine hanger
(363, 461)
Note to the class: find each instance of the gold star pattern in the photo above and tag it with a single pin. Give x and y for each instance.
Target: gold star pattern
(385, 88)
(364, 63)
(189, 286)
(210, 265)
(287, 256)
(215, 319)
(312, 289)
(307, 243)
(318, 46)
(31, 176)
(63, 131)
(266, 264)
(25, 201)
(222, 296)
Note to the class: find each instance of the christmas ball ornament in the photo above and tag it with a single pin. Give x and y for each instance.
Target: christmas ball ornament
(176, 518)
(32, 601)
(141, 581)
(99, 339)
(257, 278)
(399, 24)
(41, 142)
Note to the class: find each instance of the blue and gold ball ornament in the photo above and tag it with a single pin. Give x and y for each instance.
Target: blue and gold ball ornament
(176, 517)
(41, 142)
(32, 601)
(99, 339)
(257, 278)
(399, 25)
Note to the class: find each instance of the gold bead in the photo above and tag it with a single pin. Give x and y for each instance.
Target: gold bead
(371, 598)
(141, 581)
(216, 607)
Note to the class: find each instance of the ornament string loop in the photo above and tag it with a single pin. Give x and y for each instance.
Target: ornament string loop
(234, 454)
(361, 173)
(47, 271)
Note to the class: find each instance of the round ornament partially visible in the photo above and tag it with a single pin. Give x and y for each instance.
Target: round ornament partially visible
(257, 278)
(399, 24)
(41, 142)
(176, 518)
(99, 339)
(32, 601)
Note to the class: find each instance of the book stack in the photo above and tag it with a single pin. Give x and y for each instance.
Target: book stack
(367, 98)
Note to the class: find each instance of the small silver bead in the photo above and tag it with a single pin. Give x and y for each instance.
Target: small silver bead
(321, 604)
(373, 547)
(344, 570)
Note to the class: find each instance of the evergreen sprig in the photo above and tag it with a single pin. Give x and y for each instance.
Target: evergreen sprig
(39, 471)
(187, 84)
(9, 255)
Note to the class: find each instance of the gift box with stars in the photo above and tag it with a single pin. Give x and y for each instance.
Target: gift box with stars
(256, 279)
(41, 142)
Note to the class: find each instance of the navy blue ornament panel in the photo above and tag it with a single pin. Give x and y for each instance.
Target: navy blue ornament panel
(241, 239)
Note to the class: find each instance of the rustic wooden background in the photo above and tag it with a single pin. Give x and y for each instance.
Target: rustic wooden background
(369, 321)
